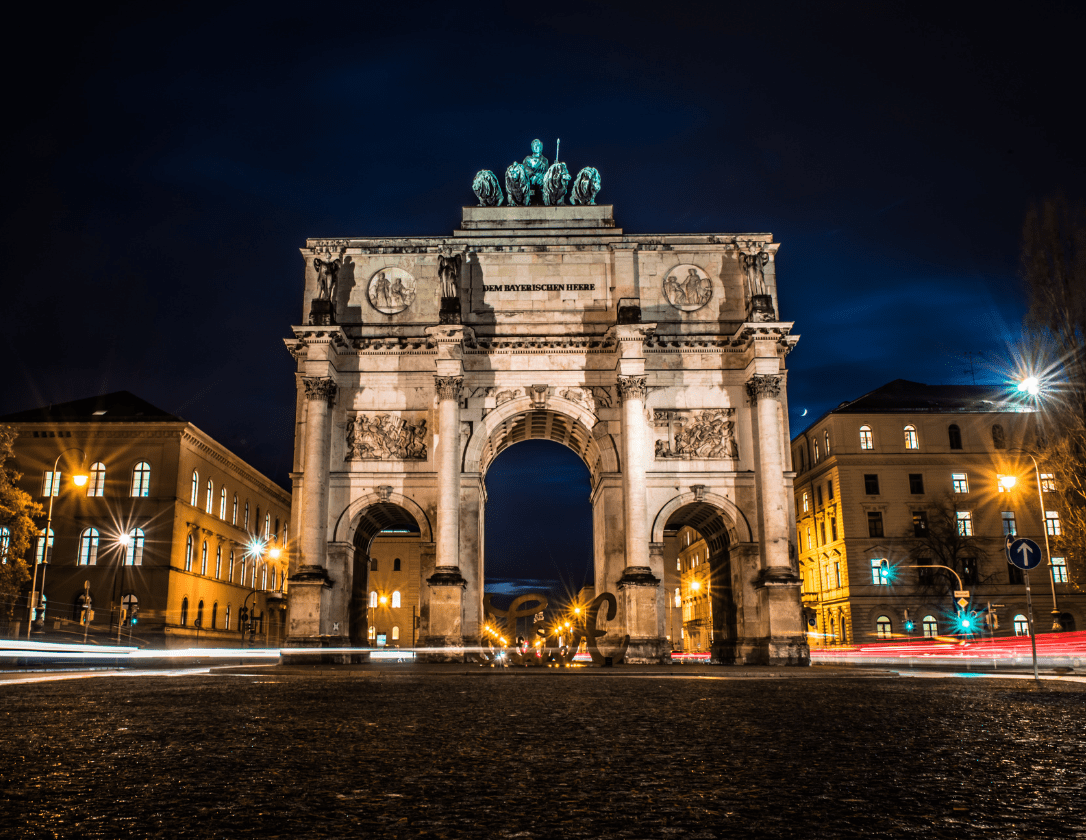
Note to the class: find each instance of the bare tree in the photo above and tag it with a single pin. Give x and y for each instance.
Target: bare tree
(1053, 265)
(942, 539)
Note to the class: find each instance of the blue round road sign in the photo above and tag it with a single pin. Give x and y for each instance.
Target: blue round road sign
(1025, 554)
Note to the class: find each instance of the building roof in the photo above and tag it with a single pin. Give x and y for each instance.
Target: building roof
(118, 407)
(902, 396)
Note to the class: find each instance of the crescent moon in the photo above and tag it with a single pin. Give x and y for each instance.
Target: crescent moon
(804, 414)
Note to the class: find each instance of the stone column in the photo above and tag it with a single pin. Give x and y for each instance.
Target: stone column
(783, 641)
(631, 392)
(320, 395)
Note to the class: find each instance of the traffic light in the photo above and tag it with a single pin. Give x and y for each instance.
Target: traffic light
(133, 616)
(243, 618)
(910, 625)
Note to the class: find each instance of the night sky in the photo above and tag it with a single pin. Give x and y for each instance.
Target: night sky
(164, 162)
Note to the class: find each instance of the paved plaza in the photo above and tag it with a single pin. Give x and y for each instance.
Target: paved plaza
(456, 752)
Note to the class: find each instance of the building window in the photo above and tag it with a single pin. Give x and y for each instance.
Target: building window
(1048, 483)
(218, 562)
(188, 554)
(234, 515)
(999, 438)
(5, 543)
(246, 526)
(396, 599)
(209, 497)
(955, 435)
(837, 572)
(1009, 529)
(214, 614)
(39, 553)
(964, 519)
(874, 523)
(871, 485)
(141, 480)
(880, 571)
(1052, 523)
(184, 611)
(1059, 570)
(244, 563)
(865, 438)
(230, 568)
(829, 489)
(970, 571)
(203, 559)
(1015, 575)
(372, 633)
(267, 526)
(263, 575)
(883, 627)
(833, 528)
(930, 626)
(373, 564)
(226, 618)
(960, 482)
(97, 484)
(678, 598)
(133, 552)
(920, 523)
(200, 614)
(396, 565)
(818, 495)
(222, 503)
(88, 547)
(1021, 626)
(810, 544)
(373, 600)
(916, 484)
(194, 494)
(817, 453)
(911, 441)
(827, 444)
(822, 531)
(806, 502)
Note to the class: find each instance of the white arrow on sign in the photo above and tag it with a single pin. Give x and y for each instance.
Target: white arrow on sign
(1025, 551)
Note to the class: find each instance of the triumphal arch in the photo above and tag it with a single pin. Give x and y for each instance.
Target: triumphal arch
(659, 359)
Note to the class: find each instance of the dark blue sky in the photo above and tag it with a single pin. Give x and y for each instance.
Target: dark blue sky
(164, 162)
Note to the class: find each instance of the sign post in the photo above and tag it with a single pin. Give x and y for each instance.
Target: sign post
(1026, 554)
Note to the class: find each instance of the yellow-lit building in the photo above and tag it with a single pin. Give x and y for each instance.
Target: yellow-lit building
(873, 478)
(394, 577)
(695, 591)
(170, 540)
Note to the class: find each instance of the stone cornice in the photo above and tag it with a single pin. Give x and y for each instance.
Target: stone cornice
(195, 438)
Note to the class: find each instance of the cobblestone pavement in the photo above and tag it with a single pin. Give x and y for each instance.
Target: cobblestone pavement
(465, 754)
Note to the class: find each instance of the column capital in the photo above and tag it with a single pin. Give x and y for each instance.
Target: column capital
(320, 388)
(632, 388)
(763, 387)
(448, 387)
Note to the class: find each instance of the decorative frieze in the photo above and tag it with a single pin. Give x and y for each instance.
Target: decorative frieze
(383, 437)
(763, 387)
(449, 387)
(632, 388)
(695, 434)
(320, 388)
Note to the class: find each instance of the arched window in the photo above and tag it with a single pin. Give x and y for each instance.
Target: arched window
(209, 497)
(39, 554)
(373, 600)
(141, 480)
(817, 452)
(96, 486)
(911, 441)
(226, 618)
(230, 568)
(883, 627)
(1021, 625)
(827, 444)
(955, 435)
(203, 559)
(200, 614)
(396, 599)
(263, 575)
(246, 526)
(218, 562)
(214, 614)
(222, 503)
(396, 565)
(930, 626)
(372, 633)
(241, 579)
(234, 516)
(5, 543)
(254, 575)
(999, 438)
(194, 495)
(88, 547)
(866, 441)
(276, 532)
(133, 552)
(188, 554)
(678, 598)
(395, 633)
(184, 611)
(267, 526)
(373, 564)
(256, 519)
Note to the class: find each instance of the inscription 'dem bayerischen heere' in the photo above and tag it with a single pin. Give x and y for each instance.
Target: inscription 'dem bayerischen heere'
(544, 287)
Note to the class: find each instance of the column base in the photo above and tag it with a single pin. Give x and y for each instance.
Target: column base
(652, 651)
(441, 649)
(318, 643)
(444, 633)
(778, 651)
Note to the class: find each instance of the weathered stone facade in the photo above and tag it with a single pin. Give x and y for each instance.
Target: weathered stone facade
(652, 357)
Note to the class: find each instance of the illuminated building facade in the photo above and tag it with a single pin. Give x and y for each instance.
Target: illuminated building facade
(171, 527)
(695, 591)
(393, 596)
(877, 481)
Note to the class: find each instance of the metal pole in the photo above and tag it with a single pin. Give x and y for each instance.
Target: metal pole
(44, 555)
(1044, 528)
(1032, 634)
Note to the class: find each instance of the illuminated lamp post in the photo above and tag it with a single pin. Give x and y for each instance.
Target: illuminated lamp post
(79, 479)
(258, 549)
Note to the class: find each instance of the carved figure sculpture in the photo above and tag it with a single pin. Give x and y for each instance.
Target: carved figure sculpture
(585, 187)
(487, 189)
(385, 438)
(518, 185)
(706, 434)
(448, 273)
(327, 272)
(555, 183)
(754, 259)
(536, 165)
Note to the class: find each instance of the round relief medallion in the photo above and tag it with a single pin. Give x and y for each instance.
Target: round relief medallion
(688, 287)
(391, 290)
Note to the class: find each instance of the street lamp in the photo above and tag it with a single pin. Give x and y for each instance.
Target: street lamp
(79, 479)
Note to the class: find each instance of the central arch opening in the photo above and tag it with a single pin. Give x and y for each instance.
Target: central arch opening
(538, 527)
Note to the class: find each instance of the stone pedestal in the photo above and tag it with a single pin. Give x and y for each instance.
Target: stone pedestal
(637, 595)
(308, 622)
(444, 635)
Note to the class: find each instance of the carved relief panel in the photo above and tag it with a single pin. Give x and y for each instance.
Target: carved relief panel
(688, 434)
(386, 436)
